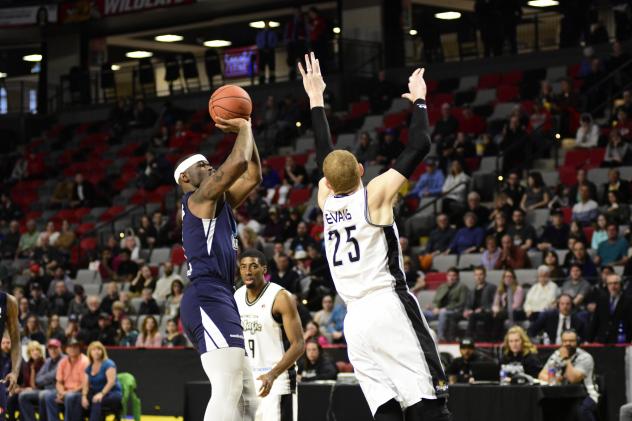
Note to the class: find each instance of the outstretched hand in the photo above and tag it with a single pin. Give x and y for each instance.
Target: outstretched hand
(232, 125)
(312, 79)
(416, 86)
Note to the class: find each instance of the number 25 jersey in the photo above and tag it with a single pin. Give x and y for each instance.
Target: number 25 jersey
(363, 257)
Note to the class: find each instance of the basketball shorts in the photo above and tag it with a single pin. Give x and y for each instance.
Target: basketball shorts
(391, 350)
(209, 314)
(275, 408)
(4, 399)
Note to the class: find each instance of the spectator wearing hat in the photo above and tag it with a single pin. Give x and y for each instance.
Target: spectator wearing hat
(45, 381)
(38, 304)
(555, 234)
(430, 183)
(460, 370)
(77, 305)
(100, 387)
(71, 373)
(106, 333)
(449, 302)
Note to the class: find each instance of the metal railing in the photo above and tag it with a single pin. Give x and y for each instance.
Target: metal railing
(435, 200)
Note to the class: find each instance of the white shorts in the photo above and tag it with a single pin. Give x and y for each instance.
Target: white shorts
(275, 408)
(391, 350)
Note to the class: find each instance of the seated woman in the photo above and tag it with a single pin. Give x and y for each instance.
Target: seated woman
(149, 336)
(314, 365)
(127, 334)
(312, 331)
(28, 372)
(172, 336)
(100, 385)
(519, 355)
(536, 195)
(508, 302)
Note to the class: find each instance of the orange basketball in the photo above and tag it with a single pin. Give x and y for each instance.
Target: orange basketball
(230, 101)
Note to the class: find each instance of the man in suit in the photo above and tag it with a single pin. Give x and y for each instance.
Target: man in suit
(552, 323)
(82, 192)
(479, 305)
(611, 320)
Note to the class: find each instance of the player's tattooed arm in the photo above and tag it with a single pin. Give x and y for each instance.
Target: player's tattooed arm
(212, 188)
(248, 181)
(14, 333)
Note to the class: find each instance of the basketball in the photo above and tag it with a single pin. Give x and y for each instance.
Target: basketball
(230, 101)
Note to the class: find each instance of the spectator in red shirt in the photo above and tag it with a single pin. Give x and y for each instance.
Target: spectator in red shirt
(470, 123)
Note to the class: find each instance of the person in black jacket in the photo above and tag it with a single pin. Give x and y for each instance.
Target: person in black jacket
(552, 323)
(519, 354)
(314, 365)
(82, 192)
(479, 305)
(106, 334)
(611, 321)
(149, 304)
(88, 327)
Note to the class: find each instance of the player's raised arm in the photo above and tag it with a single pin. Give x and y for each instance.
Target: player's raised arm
(249, 181)
(285, 307)
(235, 165)
(382, 190)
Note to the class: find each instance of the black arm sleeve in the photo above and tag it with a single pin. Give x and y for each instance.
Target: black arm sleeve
(321, 134)
(418, 142)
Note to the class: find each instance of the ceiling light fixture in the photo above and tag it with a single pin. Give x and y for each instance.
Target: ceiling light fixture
(169, 38)
(448, 15)
(259, 24)
(139, 54)
(115, 67)
(32, 57)
(2, 74)
(412, 32)
(336, 30)
(543, 3)
(217, 43)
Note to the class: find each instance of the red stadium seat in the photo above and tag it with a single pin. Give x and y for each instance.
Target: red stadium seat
(573, 70)
(568, 175)
(177, 255)
(568, 215)
(395, 120)
(473, 163)
(507, 93)
(577, 158)
(489, 81)
(588, 232)
(596, 157)
(511, 78)
(434, 279)
(421, 168)
(111, 213)
(88, 244)
(359, 109)
(84, 228)
(298, 197)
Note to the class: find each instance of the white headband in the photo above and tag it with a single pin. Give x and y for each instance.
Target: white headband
(186, 164)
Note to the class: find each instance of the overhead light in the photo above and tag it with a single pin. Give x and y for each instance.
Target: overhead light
(298, 124)
(32, 57)
(2, 74)
(543, 3)
(448, 15)
(216, 43)
(139, 54)
(413, 32)
(169, 38)
(336, 29)
(115, 67)
(259, 24)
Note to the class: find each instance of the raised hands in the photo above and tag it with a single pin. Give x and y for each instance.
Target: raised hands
(416, 86)
(313, 80)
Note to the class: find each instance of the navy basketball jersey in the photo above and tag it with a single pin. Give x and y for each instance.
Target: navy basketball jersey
(210, 245)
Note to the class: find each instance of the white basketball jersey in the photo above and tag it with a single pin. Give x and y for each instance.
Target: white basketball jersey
(362, 257)
(263, 337)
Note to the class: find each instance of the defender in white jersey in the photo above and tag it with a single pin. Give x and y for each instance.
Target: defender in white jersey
(389, 342)
(273, 337)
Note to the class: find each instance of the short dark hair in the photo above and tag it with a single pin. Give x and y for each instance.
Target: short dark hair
(481, 268)
(256, 254)
(567, 296)
(453, 269)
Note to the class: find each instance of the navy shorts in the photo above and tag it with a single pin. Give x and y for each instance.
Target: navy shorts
(4, 398)
(209, 314)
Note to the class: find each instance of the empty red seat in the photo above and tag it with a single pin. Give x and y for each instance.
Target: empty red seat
(177, 255)
(511, 78)
(577, 158)
(507, 93)
(568, 175)
(573, 70)
(568, 215)
(299, 196)
(489, 81)
(111, 213)
(588, 232)
(84, 228)
(88, 244)
(434, 279)
(395, 120)
(359, 109)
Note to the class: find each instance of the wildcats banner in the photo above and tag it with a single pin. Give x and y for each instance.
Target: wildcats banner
(119, 7)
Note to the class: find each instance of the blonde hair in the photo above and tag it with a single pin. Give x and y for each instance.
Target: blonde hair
(99, 345)
(32, 346)
(527, 345)
(341, 171)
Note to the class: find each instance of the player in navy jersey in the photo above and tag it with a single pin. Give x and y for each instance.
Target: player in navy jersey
(9, 320)
(209, 235)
